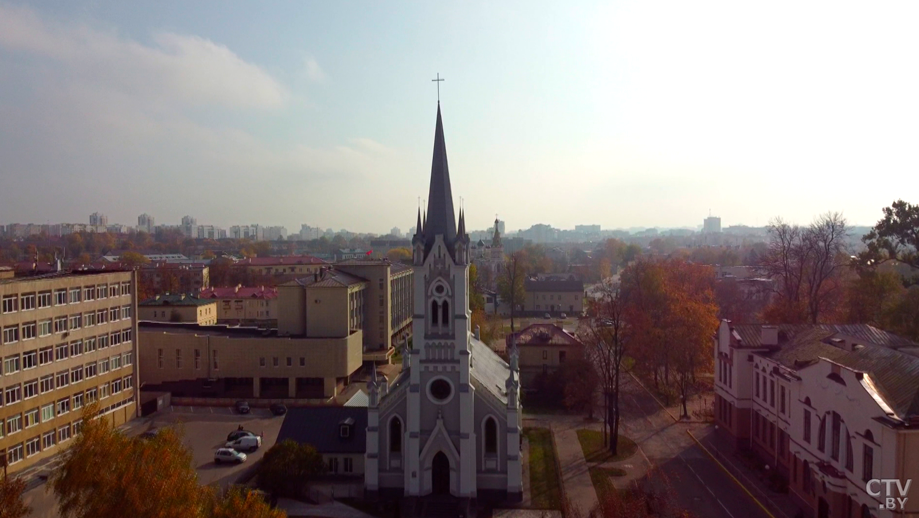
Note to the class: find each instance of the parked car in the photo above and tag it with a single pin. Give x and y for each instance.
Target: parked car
(246, 443)
(278, 409)
(236, 434)
(563, 316)
(547, 316)
(242, 407)
(229, 455)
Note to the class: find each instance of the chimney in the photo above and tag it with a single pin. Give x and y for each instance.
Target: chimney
(770, 335)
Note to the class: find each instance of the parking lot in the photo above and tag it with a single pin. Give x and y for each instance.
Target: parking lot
(204, 430)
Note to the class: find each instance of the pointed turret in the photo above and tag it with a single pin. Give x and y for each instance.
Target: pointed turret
(419, 229)
(496, 238)
(441, 219)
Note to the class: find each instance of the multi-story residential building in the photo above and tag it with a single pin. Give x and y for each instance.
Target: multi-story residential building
(97, 219)
(828, 407)
(68, 339)
(247, 305)
(253, 232)
(308, 233)
(161, 277)
(554, 294)
(146, 223)
(282, 268)
(543, 349)
(276, 233)
(178, 307)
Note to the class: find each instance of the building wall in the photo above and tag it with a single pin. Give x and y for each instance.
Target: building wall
(204, 315)
(328, 312)
(247, 310)
(171, 356)
(377, 325)
(571, 302)
(91, 375)
(291, 310)
(537, 359)
(338, 466)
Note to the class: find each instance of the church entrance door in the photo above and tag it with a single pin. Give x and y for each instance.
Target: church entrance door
(440, 474)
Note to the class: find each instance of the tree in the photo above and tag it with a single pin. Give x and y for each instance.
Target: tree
(872, 296)
(895, 236)
(11, 490)
(807, 264)
(108, 474)
(287, 467)
(511, 285)
(400, 255)
(133, 259)
(236, 503)
(476, 299)
(580, 381)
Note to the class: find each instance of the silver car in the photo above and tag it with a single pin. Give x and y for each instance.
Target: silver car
(229, 455)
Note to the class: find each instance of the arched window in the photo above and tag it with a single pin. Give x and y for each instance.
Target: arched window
(446, 313)
(868, 435)
(491, 436)
(821, 435)
(434, 312)
(395, 435)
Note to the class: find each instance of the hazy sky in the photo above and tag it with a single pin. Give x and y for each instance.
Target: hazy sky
(619, 113)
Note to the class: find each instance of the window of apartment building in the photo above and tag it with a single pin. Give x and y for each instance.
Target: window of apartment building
(116, 360)
(821, 435)
(44, 299)
(76, 426)
(125, 312)
(89, 370)
(28, 330)
(125, 335)
(867, 463)
(62, 379)
(13, 394)
(114, 314)
(60, 297)
(197, 359)
(46, 383)
(115, 338)
(101, 291)
(125, 288)
(44, 328)
(274, 361)
(302, 361)
(290, 361)
(30, 418)
(60, 324)
(261, 361)
(116, 386)
(103, 390)
(772, 393)
(782, 400)
(349, 465)
(76, 321)
(113, 290)
(76, 348)
(63, 433)
(29, 360)
(127, 359)
(10, 334)
(178, 359)
(76, 375)
(10, 304)
(30, 389)
(89, 345)
(47, 412)
(215, 361)
(33, 447)
(101, 316)
(128, 382)
(91, 395)
(47, 440)
(89, 319)
(61, 352)
(102, 341)
(159, 358)
(27, 302)
(103, 366)
(545, 354)
(74, 295)
(13, 424)
(14, 454)
(11, 364)
(63, 406)
(836, 429)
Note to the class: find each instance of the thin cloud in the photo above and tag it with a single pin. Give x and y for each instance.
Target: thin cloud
(313, 71)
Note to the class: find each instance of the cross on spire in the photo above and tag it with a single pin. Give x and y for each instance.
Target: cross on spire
(438, 81)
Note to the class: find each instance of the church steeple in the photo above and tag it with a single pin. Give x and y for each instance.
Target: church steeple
(441, 219)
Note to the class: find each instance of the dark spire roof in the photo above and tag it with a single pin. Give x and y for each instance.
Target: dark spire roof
(419, 228)
(461, 229)
(440, 218)
(496, 238)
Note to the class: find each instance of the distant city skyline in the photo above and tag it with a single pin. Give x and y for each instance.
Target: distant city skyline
(626, 115)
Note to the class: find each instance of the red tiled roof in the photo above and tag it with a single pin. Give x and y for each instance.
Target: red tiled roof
(542, 334)
(240, 292)
(286, 260)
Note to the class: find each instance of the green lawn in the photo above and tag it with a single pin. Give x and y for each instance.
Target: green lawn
(544, 477)
(600, 478)
(594, 451)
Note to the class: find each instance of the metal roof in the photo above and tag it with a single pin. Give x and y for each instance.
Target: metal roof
(441, 219)
(751, 334)
(319, 426)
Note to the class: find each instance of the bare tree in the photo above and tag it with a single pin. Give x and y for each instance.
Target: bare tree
(511, 282)
(606, 337)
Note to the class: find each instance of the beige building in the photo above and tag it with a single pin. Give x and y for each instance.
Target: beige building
(179, 307)
(554, 294)
(244, 305)
(68, 339)
(542, 349)
(283, 267)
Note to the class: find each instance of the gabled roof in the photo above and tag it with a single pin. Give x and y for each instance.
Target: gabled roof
(751, 334)
(240, 292)
(329, 279)
(441, 219)
(488, 369)
(542, 334)
(320, 427)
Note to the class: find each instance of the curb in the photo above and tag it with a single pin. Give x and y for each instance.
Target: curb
(728, 473)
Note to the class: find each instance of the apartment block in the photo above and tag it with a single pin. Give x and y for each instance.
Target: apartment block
(178, 307)
(830, 408)
(246, 305)
(68, 339)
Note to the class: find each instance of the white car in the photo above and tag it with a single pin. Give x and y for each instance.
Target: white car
(229, 455)
(247, 443)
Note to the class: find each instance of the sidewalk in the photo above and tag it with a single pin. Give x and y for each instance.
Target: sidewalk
(579, 488)
(779, 504)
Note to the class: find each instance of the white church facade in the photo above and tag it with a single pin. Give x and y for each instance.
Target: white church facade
(449, 425)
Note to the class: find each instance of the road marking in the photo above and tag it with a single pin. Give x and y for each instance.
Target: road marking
(707, 488)
(191, 409)
(211, 409)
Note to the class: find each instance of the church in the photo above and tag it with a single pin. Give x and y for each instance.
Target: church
(448, 427)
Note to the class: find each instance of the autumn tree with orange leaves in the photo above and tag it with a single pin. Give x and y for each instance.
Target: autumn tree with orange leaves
(671, 311)
(108, 474)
